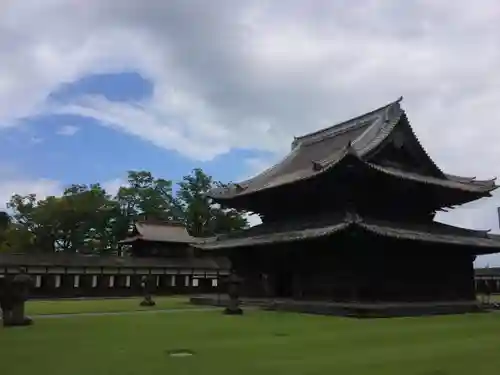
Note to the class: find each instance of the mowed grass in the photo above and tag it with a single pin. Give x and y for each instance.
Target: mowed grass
(256, 343)
(35, 307)
(38, 307)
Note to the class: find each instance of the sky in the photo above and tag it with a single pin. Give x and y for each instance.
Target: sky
(90, 89)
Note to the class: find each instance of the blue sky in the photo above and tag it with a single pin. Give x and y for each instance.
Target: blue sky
(78, 149)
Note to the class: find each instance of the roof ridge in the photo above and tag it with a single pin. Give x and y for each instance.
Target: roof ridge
(159, 222)
(326, 129)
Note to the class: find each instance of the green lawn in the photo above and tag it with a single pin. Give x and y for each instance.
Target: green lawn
(256, 343)
(103, 305)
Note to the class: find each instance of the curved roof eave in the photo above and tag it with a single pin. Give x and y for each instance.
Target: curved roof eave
(435, 233)
(349, 154)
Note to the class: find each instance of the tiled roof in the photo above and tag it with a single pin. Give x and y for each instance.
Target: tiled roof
(77, 260)
(156, 231)
(434, 232)
(450, 182)
(321, 151)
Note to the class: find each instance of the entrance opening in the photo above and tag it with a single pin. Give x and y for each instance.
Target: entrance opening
(284, 285)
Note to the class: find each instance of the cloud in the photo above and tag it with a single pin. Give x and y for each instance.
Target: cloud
(36, 140)
(68, 130)
(112, 186)
(11, 182)
(256, 165)
(252, 74)
(248, 75)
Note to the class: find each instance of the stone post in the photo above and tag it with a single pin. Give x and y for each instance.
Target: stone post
(15, 295)
(233, 307)
(146, 290)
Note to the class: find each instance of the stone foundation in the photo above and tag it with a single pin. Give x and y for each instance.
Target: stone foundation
(355, 310)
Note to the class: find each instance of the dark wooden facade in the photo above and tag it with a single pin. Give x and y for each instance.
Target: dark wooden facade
(348, 216)
(57, 275)
(161, 251)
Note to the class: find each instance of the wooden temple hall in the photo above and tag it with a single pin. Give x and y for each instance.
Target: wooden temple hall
(159, 250)
(348, 216)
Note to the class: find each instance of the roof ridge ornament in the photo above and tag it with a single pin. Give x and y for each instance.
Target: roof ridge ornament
(352, 217)
(317, 165)
(349, 149)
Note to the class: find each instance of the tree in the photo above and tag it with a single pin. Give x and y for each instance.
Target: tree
(13, 237)
(79, 220)
(201, 216)
(85, 218)
(32, 215)
(4, 220)
(16, 239)
(145, 197)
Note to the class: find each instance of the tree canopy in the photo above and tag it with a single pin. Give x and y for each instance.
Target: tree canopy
(87, 219)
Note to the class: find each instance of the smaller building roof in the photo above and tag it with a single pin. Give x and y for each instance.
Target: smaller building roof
(160, 231)
(78, 260)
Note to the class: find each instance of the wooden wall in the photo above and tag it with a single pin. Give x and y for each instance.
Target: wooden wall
(55, 281)
(358, 268)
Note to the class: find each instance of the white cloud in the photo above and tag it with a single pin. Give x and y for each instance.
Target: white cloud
(36, 140)
(23, 186)
(251, 74)
(68, 130)
(256, 165)
(12, 182)
(112, 186)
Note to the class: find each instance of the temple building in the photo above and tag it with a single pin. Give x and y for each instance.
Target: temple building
(161, 250)
(348, 216)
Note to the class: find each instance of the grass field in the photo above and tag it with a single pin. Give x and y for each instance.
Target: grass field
(103, 305)
(115, 305)
(256, 343)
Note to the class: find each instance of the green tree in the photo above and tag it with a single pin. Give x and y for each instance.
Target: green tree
(145, 197)
(80, 220)
(16, 239)
(202, 217)
(87, 218)
(33, 216)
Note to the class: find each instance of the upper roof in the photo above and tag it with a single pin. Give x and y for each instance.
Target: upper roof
(434, 232)
(160, 231)
(320, 151)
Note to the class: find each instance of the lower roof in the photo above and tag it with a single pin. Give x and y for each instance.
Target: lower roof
(160, 231)
(435, 232)
(78, 260)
